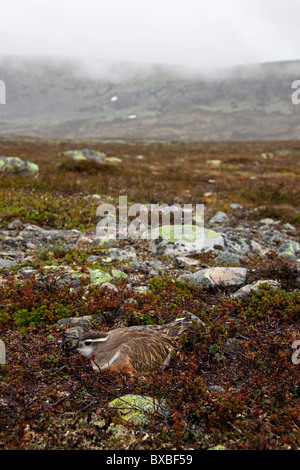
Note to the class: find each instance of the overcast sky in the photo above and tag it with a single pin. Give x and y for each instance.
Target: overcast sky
(197, 33)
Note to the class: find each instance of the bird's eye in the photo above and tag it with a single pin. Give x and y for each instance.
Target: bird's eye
(88, 343)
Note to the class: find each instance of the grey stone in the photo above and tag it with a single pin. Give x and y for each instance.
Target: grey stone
(117, 254)
(246, 290)
(86, 155)
(75, 321)
(268, 221)
(216, 388)
(234, 206)
(17, 165)
(235, 243)
(153, 273)
(210, 242)
(219, 218)
(15, 224)
(139, 266)
(2, 352)
(220, 276)
(269, 234)
(226, 257)
(290, 227)
(289, 249)
(185, 261)
(109, 286)
(92, 258)
(7, 263)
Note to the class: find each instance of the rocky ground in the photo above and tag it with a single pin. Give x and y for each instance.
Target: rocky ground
(233, 382)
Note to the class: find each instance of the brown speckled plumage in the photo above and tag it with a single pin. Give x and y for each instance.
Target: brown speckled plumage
(130, 350)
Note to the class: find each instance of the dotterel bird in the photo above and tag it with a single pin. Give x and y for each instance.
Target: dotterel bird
(129, 350)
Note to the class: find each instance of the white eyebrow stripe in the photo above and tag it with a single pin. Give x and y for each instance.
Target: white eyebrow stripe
(112, 360)
(97, 340)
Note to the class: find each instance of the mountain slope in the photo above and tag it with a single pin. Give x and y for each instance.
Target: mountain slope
(65, 99)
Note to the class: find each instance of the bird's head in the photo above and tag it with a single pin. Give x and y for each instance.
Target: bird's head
(90, 341)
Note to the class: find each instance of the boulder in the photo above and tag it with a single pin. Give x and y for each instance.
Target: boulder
(98, 276)
(170, 245)
(219, 218)
(289, 249)
(7, 263)
(87, 155)
(17, 165)
(136, 408)
(220, 276)
(246, 290)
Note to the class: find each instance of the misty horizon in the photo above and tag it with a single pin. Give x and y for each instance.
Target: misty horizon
(220, 34)
(97, 68)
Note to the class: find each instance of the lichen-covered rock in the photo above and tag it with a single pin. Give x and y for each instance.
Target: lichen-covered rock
(170, 243)
(17, 165)
(117, 254)
(136, 408)
(219, 218)
(90, 156)
(98, 276)
(117, 273)
(289, 249)
(86, 155)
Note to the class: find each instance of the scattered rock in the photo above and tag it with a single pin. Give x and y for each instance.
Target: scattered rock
(109, 286)
(289, 227)
(113, 160)
(227, 258)
(141, 289)
(219, 218)
(118, 274)
(269, 234)
(90, 155)
(214, 162)
(86, 155)
(289, 249)
(7, 263)
(136, 408)
(17, 165)
(98, 276)
(15, 224)
(216, 389)
(209, 242)
(185, 261)
(2, 352)
(118, 254)
(220, 276)
(234, 206)
(246, 290)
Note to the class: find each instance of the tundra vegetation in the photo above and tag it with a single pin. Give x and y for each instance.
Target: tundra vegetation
(231, 382)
